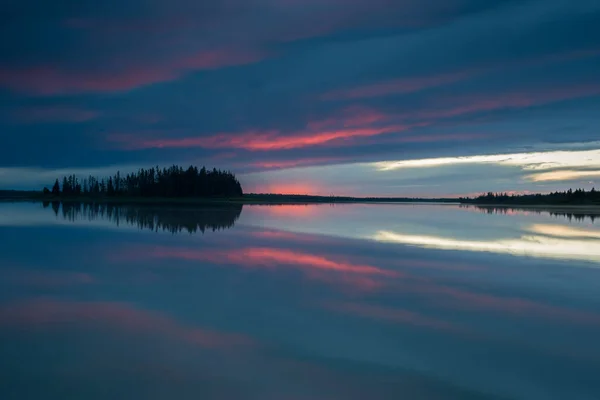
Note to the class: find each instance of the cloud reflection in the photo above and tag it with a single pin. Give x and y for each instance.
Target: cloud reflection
(561, 247)
(330, 269)
(123, 317)
(564, 231)
(394, 315)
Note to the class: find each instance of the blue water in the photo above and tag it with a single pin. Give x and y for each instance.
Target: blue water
(297, 303)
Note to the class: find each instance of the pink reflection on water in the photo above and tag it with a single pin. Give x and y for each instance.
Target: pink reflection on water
(395, 315)
(272, 258)
(333, 271)
(123, 317)
(458, 298)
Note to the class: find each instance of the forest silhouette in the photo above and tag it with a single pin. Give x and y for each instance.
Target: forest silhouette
(172, 182)
(569, 197)
(213, 217)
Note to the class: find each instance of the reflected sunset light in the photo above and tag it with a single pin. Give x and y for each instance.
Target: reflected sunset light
(529, 245)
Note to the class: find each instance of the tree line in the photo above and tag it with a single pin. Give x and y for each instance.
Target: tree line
(169, 182)
(569, 197)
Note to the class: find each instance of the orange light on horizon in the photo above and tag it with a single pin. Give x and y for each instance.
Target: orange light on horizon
(301, 188)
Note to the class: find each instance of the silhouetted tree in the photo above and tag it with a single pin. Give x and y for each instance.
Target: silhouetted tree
(56, 188)
(156, 182)
(110, 189)
(66, 188)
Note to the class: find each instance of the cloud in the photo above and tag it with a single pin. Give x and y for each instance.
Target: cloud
(396, 86)
(537, 161)
(339, 131)
(48, 80)
(563, 175)
(419, 83)
(476, 103)
(269, 140)
(297, 162)
(348, 124)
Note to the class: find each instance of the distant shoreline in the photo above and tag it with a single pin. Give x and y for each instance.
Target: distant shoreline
(250, 199)
(253, 199)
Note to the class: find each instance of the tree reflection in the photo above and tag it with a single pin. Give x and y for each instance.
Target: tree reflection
(577, 215)
(174, 220)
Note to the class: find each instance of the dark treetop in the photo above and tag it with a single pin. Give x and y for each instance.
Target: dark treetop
(570, 197)
(173, 182)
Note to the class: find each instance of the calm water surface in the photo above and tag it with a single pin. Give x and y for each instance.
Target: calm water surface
(298, 303)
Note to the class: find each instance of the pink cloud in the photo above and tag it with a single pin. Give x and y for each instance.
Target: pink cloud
(49, 313)
(48, 80)
(345, 128)
(475, 103)
(351, 123)
(266, 140)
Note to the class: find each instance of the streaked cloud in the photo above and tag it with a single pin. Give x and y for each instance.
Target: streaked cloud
(393, 87)
(563, 175)
(537, 161)
(48, 80)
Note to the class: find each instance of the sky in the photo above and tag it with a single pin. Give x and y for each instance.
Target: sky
(423, 98)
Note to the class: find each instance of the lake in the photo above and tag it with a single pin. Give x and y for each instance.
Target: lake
(353, 301)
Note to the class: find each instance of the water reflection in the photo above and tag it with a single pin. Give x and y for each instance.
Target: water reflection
(529, 233)
(267, 311)
(171, 219)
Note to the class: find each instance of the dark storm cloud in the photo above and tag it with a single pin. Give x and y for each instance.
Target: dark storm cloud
(268, 84)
